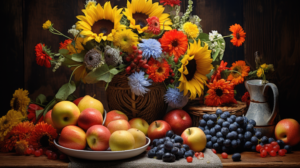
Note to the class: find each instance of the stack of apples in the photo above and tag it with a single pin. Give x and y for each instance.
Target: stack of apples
(80, 123)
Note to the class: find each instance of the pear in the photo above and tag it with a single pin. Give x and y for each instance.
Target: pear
(90, 102)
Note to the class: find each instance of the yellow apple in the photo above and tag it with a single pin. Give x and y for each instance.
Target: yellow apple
(139, 137)
(118, 125)
(90, 102)
(140, 124)
(195, 138)
(64, 113)
(121, 140)
(114, 115)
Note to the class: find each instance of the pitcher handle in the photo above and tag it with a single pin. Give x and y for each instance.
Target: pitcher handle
(275, 93)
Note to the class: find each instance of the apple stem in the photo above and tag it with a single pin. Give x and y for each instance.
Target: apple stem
(189, 131)
(156, 124)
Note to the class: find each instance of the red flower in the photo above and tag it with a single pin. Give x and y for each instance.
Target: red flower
(170, 2)
(246, 98)
(158, 71)
(42, 135)
(31, 112)
(63, 45)
(153, 24)
(217, 73)
(42, 58)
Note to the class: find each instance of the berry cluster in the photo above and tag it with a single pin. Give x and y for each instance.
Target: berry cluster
(272, 148)
(171, 148)
(43, 151)
(136, 61)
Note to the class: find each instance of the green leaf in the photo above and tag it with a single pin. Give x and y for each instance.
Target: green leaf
(215, 55)
(71, 97)
(38, 114)
(49, 106)
(78, 57)
(114, 71)
(102, 73)
(66, 90)
(41, 99)
(225, 73)
(122, 66)
(69, 61)
(210, 74)
(203, 37)
(63, 51)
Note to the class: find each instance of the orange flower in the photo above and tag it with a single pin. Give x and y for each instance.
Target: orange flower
(42, 58)
(174, 43)
(158, 71)
(63, 45)
(240, 70)
(238, 35)
(153, 25)
(246, 98)
(19, 132)
(217, 73)
(219, 93)
(43, 135)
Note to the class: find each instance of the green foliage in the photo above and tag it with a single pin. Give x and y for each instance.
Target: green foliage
(41, 99)
(78, 57)
(38, 114)
(103, 73)
(65, 91)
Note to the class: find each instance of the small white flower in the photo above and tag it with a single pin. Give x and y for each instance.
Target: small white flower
(219, 36)
(214, 50)
(211, 37)
(214, 32)
(212, 45)
(223, 44)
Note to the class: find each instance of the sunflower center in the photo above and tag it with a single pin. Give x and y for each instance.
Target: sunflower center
(16, 104)
(140, 19)
(103, 26)
(5, 122)
(44, 140)
(192, 68)
(219, 92)
(174, 43)
(238, 69)
(160, 70)
(238, 35)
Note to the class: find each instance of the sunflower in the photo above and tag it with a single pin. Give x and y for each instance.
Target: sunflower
(20, 101)
(238, 35)
(99, 23)
(139, 10)
(195, 65)
(158, 71)
(19, 132)
(125, 39)
(174, 43)
(240, 70)
(219, 93)
(190, 29)
(11, 119)
(42, 135)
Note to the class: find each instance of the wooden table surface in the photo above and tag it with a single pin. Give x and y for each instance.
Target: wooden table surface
(249, 159)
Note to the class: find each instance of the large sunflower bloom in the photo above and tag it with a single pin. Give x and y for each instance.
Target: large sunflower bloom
(139, 10)
(80, 73)
(174, 43)
(240, 71)
(219, 93)
(99, 23)
(238, 35)
(42, 135)
(20, 101)
(158, 71)
(195, 65)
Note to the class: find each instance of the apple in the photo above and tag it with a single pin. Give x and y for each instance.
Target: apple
(48, 118)
(90, 102)
(121, 140)
(114, 115)
(118, 125)
(140, 124)
(288, 130)
(76, 101)
(179, 120)
(139, 137)
(72, 137)
(97, 137)
(89, 117)
(195, 138)
(64, 113)
(158, 129)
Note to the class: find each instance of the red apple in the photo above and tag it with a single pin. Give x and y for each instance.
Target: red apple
(158, 129)
(97, 137)
(195, 138)
(179, 120)
(288, 130)
(118, 125)
(72, 137)
(114, 115)
(48, 118)
(89, 117)
(76, 101)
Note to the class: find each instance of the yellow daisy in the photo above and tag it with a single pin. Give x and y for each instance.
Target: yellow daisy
(8, 121)
(125, 39)
(190, 29)
(196, 64)
(139, 10)
(20, 101)
(47, 24)
(99, 23)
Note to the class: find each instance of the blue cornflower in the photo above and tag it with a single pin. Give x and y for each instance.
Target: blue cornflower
(175, 98)
(150, 47)
(138, 83)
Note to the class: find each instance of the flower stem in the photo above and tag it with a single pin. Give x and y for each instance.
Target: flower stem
(73, 72)
(227, 36)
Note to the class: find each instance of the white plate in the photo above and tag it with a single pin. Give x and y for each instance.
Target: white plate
(103, 155)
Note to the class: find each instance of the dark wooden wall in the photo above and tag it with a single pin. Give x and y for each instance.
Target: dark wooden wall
(272, 27)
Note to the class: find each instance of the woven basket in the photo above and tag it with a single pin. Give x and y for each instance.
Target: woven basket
(197, 110)
(149, 107)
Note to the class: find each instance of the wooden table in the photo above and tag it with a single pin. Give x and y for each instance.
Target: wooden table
(249, 159)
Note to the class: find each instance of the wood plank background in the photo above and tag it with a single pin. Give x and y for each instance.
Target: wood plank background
(272, 27)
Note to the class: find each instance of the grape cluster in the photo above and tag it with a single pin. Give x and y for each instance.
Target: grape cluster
(229, 133)
(169, 148)
(136, 61)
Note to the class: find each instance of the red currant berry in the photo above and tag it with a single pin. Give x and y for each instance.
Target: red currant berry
(258, 147)
(146, 66)
(213, 150)
(62, 156)
(276, 148)
(37, 153)
(189, 159)
(54, 156)
(269, 145)
(273, 153)
(139, 57)
(30, 146)
(171, 70)
(224, 155)
(133, 71)
(140, 52)
(28, 151)
(49, 156)
(176, 59)
(285, 151)
(134, 47)
(173, 74)
(262, 148)
(268, 149)
(281, 152)
(172, 80)
(132, 65)
(201, 154)
(121, 53)
(128, 59)
(136, 60)
(196, 154)
(274, 143)
(263, 153)
(47, 152)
